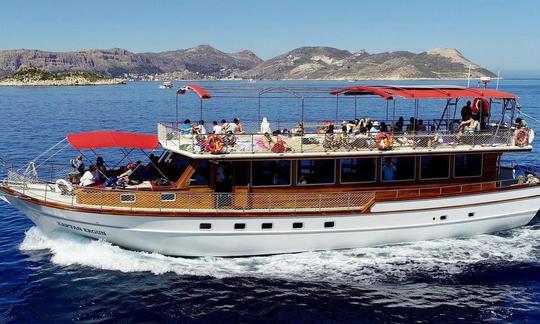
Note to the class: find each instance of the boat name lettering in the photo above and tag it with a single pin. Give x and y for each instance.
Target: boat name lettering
(81, 229)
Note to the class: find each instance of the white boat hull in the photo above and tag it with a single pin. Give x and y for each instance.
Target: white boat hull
(389, 222)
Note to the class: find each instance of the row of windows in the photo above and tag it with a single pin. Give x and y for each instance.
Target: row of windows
(264, 226)
(358, 170)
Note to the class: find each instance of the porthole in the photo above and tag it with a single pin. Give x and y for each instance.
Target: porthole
(168, 196)
(443, 217)
(266, 226)
(205, 226)
(239, 226)
(471, 214)
(297, 225)
(127, 198)
(329, 224)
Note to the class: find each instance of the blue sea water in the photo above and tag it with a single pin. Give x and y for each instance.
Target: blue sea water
(64, 278)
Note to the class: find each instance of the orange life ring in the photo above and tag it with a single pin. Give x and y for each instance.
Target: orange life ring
(481, 104)
(521, 137)
(214, 144)
(384, 141)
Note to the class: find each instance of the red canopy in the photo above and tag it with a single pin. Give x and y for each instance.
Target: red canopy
(389, 92)
(195, 88)
(112, 139)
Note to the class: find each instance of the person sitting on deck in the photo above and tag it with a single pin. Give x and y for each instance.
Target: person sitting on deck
(374, 128)
(187, 128)
(298, 130)
(265, 127)
(88, 178)
(101, 170)
(399, 125)
(469, 126)
(200, 129)
(389, 170)
(520, 123)
(224, 126)
(239, 128)
(216, 128)
(383, 127)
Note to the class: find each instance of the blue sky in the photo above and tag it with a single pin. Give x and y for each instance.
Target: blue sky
(498, 34)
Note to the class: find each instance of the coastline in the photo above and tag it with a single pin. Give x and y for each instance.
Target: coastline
(59, 83)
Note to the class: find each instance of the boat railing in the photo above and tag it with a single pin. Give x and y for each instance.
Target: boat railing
(238, 202)
(172, 137)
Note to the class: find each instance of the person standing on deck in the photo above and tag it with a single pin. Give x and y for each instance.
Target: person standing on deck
(466, 111)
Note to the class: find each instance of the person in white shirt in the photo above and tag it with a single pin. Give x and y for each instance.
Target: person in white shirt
(265, 126)
(216, 129)
(200, 129)
(232, 128)
(375, 128)
(88, 177)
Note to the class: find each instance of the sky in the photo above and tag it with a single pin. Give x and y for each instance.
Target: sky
(501, 35)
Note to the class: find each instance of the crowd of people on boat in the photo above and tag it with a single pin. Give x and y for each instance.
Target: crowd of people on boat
(133, 173)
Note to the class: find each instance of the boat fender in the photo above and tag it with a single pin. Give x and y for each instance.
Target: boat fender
(214, 144)
(531, 136)
(481, 104)
(521, 137)
(63, 186)
(384, 141)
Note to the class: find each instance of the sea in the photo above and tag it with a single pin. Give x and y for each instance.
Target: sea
(65, 278)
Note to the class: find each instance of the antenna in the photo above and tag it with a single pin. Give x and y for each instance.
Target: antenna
(498, 78)
(469, 77)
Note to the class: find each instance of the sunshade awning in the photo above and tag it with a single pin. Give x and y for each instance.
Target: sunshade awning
(112, 139)
(389, 92)
(200, 91)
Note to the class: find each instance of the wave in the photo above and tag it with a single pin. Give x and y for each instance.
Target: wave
(440, 259)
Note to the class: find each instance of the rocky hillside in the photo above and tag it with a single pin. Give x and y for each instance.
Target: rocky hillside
(332, 64)
(206, 62)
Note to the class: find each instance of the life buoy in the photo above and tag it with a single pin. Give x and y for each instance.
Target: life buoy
(481, 104)
(63, 186)
(521, 137)
(531, 136)
(384, 141)
(214, 144)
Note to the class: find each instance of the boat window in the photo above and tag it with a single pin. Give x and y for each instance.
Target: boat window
(297, 225)
(266, 225)
(358, 170)
(173, 166)
(468, 165)
(201, 177)
(168, 196)
(435, 167)
(398, 168)
(239, 226)
(241, 174)
(329, 224)
(127, 198)
(205, 226)
(315, 172)
(271, 173)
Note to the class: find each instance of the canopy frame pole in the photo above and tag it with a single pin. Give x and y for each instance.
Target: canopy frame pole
(177, 108)
(259, 107)
(337, 107)
(393, 115)
(355, 97)
(302, 118)
(155, 166)
(201, 106)
(444, 113)
(386, 118)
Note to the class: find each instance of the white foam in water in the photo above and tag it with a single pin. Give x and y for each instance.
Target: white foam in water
(438, 258)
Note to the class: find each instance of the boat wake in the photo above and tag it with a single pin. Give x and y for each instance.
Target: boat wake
(439, 259)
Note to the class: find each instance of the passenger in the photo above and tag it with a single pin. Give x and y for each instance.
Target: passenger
(187, 128)
(384, 128)
(520, 123)
(389, 170)
(216, 129)
(469, 126)
(200, 129)
(466, 111)
(420, 125)
(412, 125)
(302, 180)
(88, 178)
(299, 130)
(532, 180)
(375, 128)
(78, 164)
(329, 129)
(224, 126)
(231, 127)
(101, 170)
(239, 126)
(265, 126)
(399, 125)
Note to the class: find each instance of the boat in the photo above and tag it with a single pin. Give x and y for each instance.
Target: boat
(166, 85)
(308, 188)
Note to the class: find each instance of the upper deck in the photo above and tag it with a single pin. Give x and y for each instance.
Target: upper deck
(493, 111)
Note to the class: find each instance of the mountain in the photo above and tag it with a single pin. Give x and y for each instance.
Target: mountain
(325, 63)
(206, 62)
